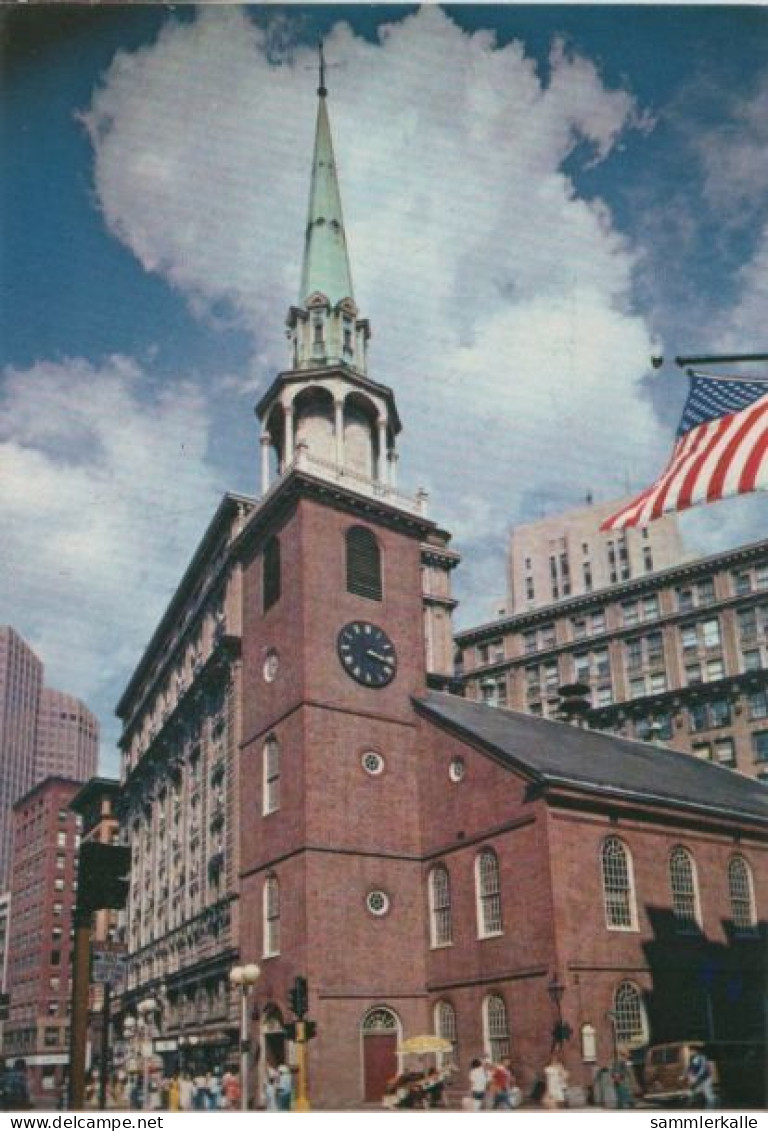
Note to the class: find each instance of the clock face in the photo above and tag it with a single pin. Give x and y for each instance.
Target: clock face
(367, 654)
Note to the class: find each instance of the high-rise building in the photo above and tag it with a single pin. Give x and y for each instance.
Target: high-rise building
(21, 680)
(43, 732)
(567, 555)
(45, 843)
(298, 795)
(67, 741)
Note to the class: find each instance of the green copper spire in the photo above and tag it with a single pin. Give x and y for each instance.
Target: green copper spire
(326, 263)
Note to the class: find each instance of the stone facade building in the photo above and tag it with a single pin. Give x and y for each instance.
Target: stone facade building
(567, 555)
(300, 793)
(680, 654)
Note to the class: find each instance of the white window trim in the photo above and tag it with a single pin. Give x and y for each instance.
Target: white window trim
(271, 925)
(751, 891)
(270, 786)
(644, 1036)
(487, 1038)
(632, 926)
(695, 885)
(482, 932)
(433, 908)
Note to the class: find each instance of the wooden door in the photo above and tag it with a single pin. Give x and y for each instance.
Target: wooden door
(379, 1063)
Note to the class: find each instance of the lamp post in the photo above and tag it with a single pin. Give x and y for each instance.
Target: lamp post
(611, 1016)
(561, 1031)
(145, 1010)
(245, 977)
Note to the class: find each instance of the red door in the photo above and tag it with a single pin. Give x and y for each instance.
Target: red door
(379, 1063)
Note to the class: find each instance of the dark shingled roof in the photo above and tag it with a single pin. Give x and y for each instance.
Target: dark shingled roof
(553, 752)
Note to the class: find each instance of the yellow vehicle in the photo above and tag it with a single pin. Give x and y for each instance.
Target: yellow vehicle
(666, 1071)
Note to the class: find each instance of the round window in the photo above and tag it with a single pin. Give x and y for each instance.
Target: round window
(373, 763)
(457, 769)
(377, 902)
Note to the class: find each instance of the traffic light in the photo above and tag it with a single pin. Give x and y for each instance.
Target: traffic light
(298, 996)
(310, 1030)
(102, 876)
(289, 1031)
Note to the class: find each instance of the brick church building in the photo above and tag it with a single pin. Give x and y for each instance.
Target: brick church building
(302, 791)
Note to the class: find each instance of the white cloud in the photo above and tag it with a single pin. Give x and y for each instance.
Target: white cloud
(104, 489)
(500, 301)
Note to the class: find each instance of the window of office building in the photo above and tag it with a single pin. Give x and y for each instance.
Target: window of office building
(760, 745)
(725, 752)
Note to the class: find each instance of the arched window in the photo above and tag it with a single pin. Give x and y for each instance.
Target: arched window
(271, 573)
(742, 894)
(495, 1027)
(488, 889)
(445, 1027)
(271, 917)
(618, 889)
(629, 1017)
(440, 925)
(685, 897)
(363, 563)
(271, 782)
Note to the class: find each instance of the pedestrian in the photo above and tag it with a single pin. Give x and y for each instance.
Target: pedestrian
(270, 1089)
(186, 1093)
(214, 1090)
(230, 1088)
(700, 1079)
(284, 1088)
(15, 1089)
(556, 1078)
(501, 1080)
(621, 1071)
(173, 1093)
(478, 1084)
(200, 1095)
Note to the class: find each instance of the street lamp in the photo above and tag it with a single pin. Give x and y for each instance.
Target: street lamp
(145, 1010)
(561, 1031)
(245, 977)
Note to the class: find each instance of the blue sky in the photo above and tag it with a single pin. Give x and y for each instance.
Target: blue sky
(536, 199)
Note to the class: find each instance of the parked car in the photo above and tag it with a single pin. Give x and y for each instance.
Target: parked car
(739, 1070)
(665, 1075)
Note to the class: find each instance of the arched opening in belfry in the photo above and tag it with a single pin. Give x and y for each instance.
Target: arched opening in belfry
(361, 441)
(275, 429)
(313, 423)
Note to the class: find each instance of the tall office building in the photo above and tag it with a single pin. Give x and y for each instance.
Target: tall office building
(21, 680)
(67, 737)
(567, 555)
(43, 732)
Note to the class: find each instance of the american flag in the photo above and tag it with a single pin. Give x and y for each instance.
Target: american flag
(721, 449)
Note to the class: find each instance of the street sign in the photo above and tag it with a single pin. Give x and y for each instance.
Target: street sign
(108, 966)
(165, 1044)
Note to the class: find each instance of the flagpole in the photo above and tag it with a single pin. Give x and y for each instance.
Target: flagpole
(683, 362)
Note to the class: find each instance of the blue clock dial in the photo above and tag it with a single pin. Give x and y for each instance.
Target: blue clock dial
(367, 654)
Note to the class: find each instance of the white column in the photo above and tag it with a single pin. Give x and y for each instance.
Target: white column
(338, 409)
(265, 446)
(393, 458)
(288, 445)
(382, 469)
